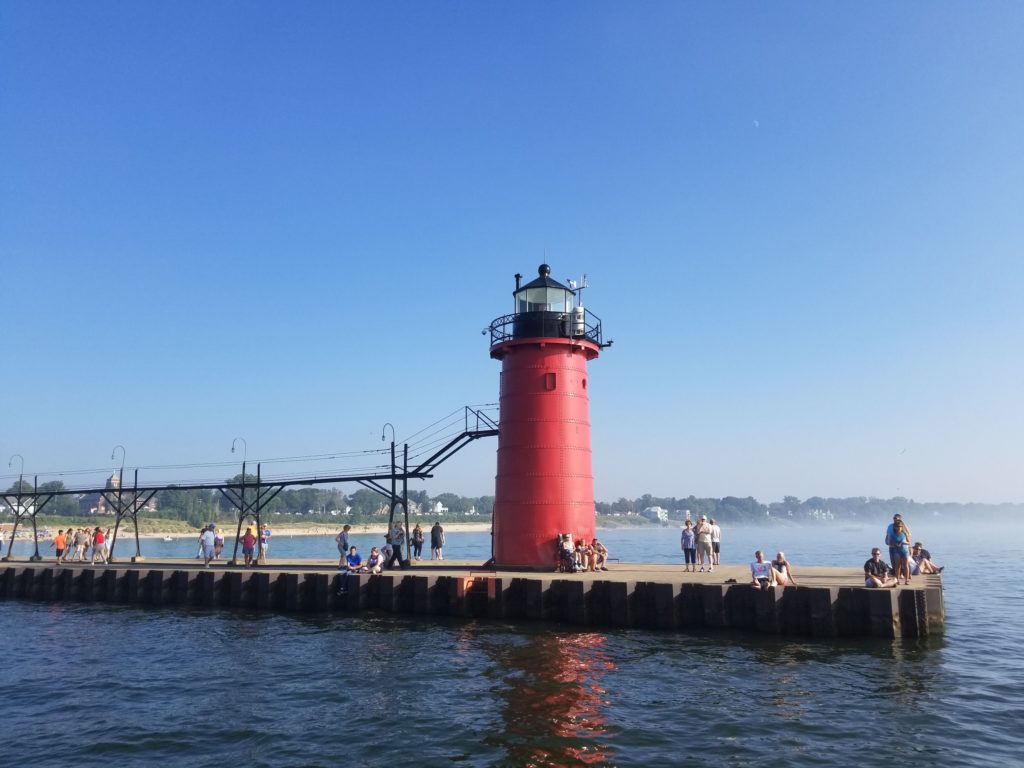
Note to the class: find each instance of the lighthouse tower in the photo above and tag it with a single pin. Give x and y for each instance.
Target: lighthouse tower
(544, 486)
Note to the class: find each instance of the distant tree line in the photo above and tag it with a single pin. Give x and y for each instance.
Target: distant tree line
(325, 505)
(733, 509)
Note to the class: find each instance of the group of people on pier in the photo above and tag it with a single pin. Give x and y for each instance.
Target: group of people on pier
(701, 544)
(777, 573)
(905, 559)
(211, 544)
(390, 556)
(74, 544)
(578, 556)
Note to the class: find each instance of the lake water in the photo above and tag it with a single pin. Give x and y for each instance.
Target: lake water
(118, 686)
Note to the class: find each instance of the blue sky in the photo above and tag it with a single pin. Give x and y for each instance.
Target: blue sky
(801, 223)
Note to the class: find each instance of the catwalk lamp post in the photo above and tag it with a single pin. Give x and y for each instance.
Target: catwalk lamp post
(241, 507)
(394, 489)
(17, 510)
(119, 511)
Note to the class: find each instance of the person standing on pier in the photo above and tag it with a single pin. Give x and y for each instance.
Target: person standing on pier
(342, 541)
(98, 547)
(889, 536)
(704, 544)
(207, 543)
(59, 544)
(417, 541)
(437, 541)
(248, 545)
(900, 542)
(218, 543)
(716, 541)
(264, 543)
(688, 543)
(397, 540)
(78, 542)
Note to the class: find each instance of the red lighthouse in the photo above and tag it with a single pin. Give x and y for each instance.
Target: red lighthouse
(544, 486)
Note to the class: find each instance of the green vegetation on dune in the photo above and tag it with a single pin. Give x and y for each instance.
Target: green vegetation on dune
(186, 510)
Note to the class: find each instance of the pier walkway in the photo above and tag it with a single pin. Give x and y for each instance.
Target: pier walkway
(827, 602)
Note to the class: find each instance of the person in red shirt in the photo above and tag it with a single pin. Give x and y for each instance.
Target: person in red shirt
(98, 547)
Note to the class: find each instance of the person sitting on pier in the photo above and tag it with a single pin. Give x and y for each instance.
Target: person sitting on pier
(589, 556)
(783, 570)
(353, 562)
(580, 556)
(877, 572)
(565, 556)
(600, 555)
(762, 573)
(374, 563)
(921, 560)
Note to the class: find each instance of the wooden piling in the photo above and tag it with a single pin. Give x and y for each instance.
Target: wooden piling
(636, 596)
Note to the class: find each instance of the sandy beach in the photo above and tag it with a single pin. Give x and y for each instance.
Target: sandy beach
(321, 529)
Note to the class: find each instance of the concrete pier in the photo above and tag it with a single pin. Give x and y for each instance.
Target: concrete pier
(828, 602)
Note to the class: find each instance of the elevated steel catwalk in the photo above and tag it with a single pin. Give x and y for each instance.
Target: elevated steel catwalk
(128, 502)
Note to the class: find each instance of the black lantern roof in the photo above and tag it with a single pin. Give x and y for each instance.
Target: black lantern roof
(544, 280)
(544, 294)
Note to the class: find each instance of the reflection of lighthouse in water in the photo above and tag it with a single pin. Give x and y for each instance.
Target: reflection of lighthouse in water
(555, 700)
(544, 484)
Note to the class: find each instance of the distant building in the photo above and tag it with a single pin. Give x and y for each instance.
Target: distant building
(96, 503)
(655, 514)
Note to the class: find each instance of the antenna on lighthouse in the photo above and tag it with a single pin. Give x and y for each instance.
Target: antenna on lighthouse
(579, 293)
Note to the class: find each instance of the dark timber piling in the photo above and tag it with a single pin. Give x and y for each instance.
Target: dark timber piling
(828, 602)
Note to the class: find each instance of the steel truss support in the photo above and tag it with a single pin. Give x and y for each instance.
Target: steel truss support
(244, 507)
(127, 507)
(394, 499)
(39, 500)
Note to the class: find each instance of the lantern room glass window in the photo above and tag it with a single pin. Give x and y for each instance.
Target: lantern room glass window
(545, 299)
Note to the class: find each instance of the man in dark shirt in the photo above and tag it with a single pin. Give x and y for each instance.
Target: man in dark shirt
(923, 559)
(877, 572)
